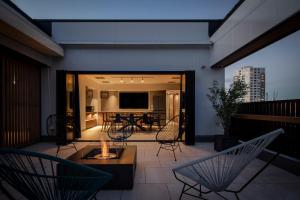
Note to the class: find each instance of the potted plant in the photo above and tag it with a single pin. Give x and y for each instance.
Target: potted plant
(226, 103)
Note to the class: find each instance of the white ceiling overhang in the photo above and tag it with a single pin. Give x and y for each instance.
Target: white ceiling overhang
(16, 27)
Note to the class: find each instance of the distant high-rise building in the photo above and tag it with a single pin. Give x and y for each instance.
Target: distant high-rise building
(255, 80)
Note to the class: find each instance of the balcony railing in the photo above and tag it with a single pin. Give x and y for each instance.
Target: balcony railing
(255, 118)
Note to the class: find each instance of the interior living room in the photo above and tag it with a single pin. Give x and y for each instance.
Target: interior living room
(147, 101)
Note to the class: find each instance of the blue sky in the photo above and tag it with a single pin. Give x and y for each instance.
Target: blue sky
(126, 9)
(282, 63)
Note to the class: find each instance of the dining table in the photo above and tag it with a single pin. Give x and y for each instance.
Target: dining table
(131, 119)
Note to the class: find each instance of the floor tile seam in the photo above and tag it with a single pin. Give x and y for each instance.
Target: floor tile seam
(169, 192)
(160, 167)
(277, 182)
(266, 183)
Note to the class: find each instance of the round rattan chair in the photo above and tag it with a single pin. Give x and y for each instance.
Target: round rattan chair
(39, 176)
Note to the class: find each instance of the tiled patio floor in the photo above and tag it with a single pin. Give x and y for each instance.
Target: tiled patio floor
(96, 133)
(154, 179)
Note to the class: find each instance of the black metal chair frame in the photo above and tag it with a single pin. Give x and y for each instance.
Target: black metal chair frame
(156, 118)
(187, 187)
(131, 120)
(147, 120)
(71, 145)
(217, 172)
(122, 138)
(41, 176)
(170, 145)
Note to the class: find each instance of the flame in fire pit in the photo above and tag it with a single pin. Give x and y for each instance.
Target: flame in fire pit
(104, 149)
(104, 152)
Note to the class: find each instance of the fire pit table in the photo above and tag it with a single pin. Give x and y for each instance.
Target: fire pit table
(121, 163)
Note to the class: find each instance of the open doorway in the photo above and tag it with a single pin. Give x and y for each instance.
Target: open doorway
(149, 101)
(145, 100)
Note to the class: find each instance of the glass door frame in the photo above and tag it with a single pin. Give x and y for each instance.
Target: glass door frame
(189, 98)
(66, 121)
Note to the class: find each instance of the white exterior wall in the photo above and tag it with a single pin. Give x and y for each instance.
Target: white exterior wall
(176, 58)
(250, 20)
(130, 33)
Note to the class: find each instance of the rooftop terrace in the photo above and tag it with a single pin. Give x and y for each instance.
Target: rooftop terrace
(154, 178)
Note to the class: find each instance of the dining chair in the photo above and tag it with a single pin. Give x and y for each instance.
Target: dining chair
(107, 120)
(147, 120)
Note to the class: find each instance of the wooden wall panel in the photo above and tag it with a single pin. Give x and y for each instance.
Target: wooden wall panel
(20, 99)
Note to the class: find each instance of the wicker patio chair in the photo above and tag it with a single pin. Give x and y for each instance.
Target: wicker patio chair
(218, 171)
(169, 135)
(39, 176)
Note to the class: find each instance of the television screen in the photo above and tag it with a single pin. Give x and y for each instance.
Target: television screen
(133, 100)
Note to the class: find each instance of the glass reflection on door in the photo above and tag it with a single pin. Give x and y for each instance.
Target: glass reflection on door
(70, 122)
(182, 105)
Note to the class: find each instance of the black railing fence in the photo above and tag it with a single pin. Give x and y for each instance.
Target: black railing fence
(256, 118)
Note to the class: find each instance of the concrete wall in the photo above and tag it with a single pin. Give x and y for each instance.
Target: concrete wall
(90, 57)
(250, 20)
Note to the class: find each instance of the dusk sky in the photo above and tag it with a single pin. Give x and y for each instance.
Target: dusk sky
(281, 59)
(126, 9)
(282, 63)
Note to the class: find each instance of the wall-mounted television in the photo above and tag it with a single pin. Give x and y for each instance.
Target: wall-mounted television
(133, 100)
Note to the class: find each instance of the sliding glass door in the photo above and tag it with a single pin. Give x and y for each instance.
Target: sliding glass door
(68, 103)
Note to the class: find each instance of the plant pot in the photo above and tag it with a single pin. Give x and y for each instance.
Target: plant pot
(223, 142)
